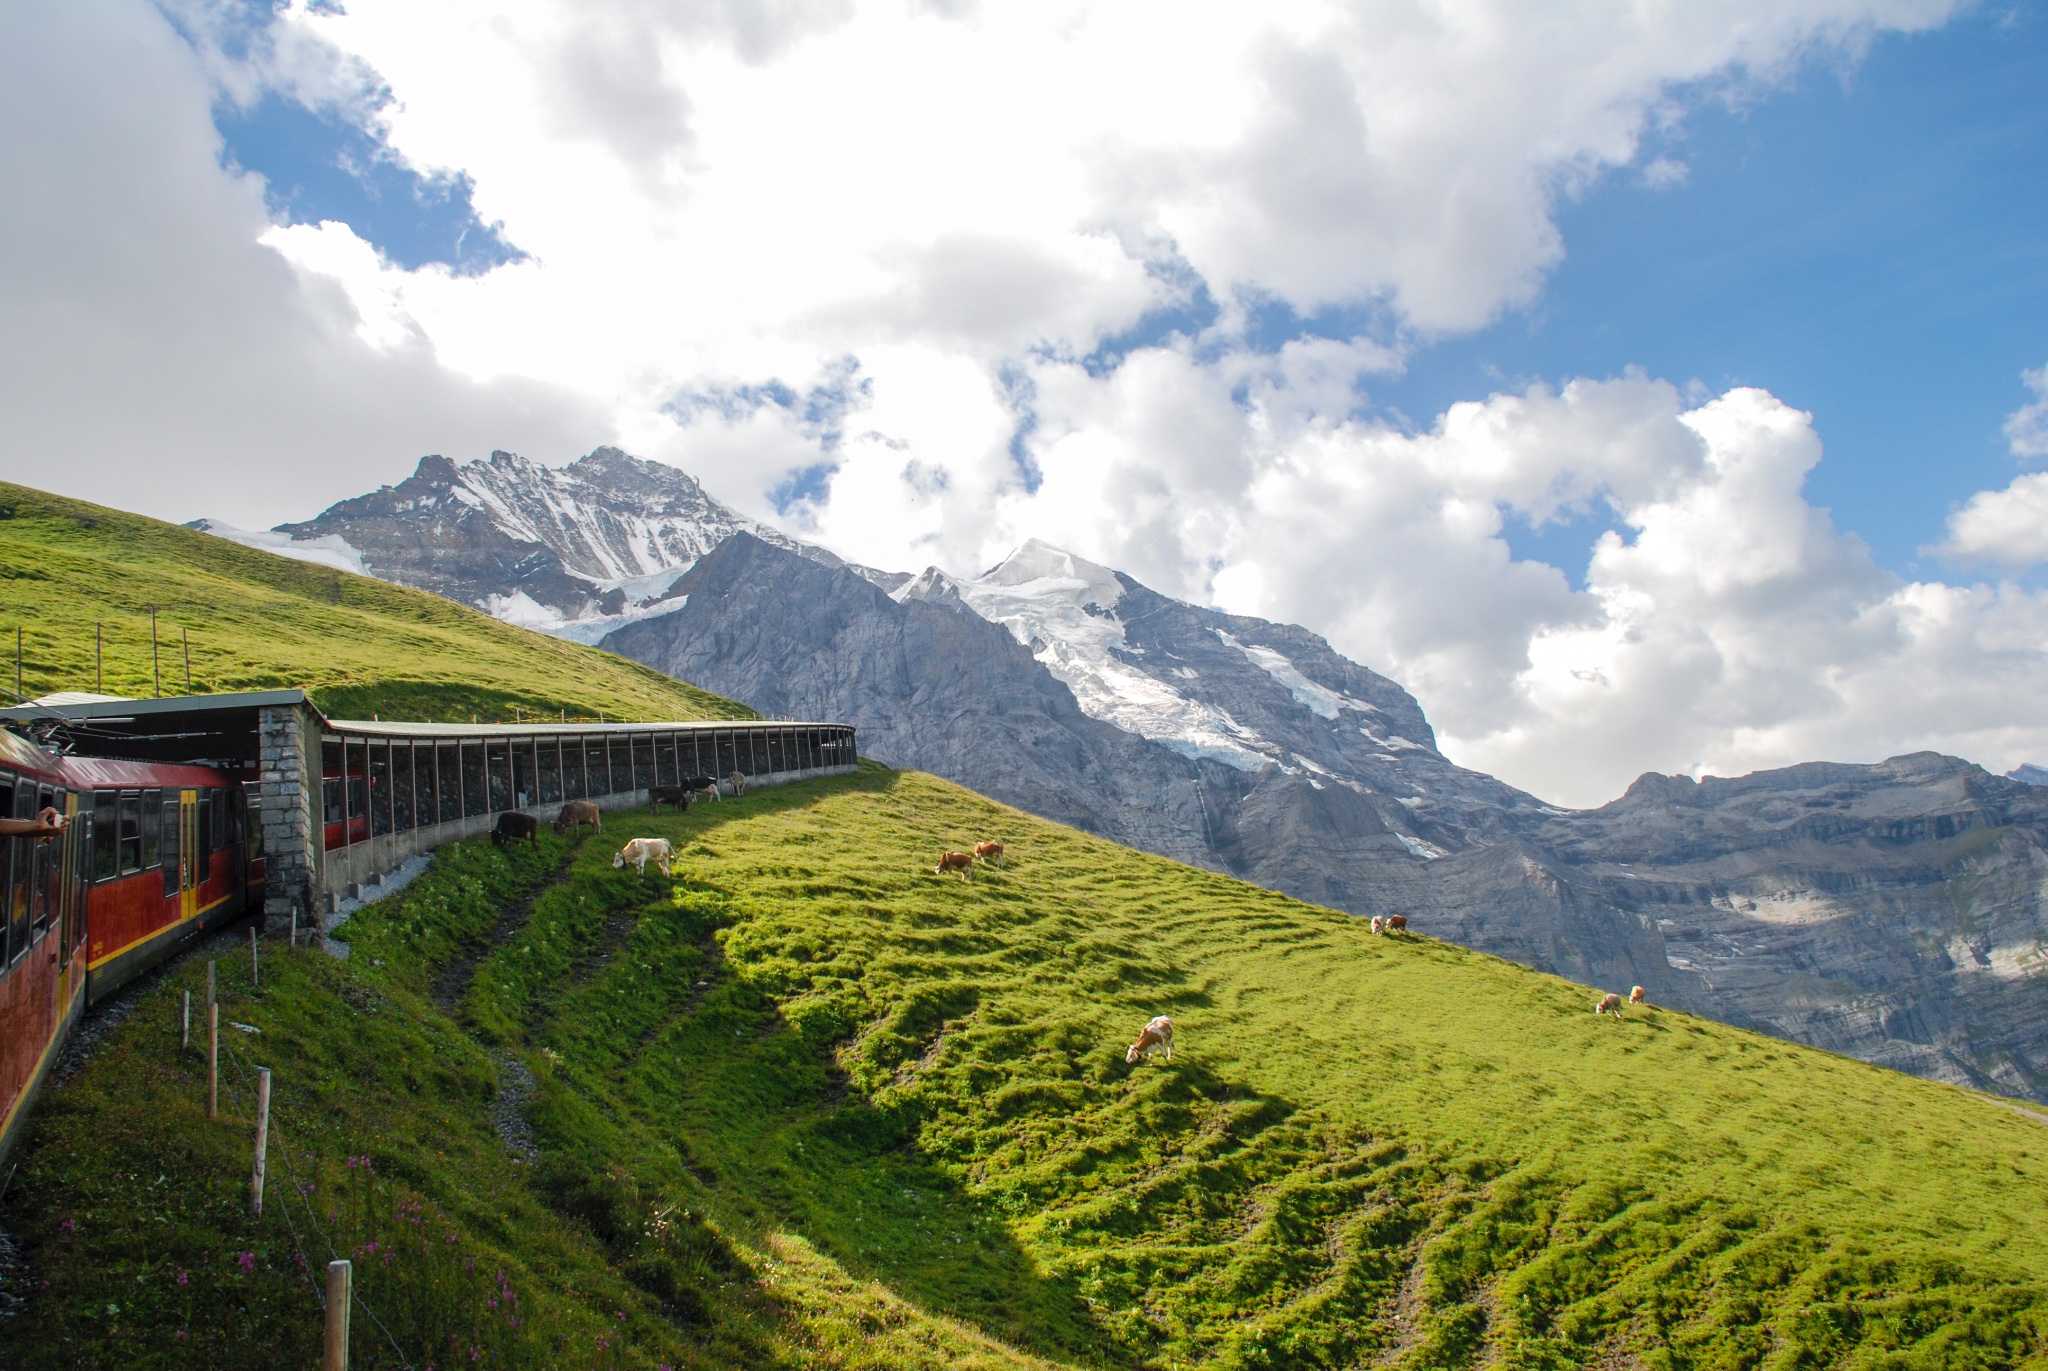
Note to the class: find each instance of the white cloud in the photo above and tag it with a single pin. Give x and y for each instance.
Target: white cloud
(969, 199)
(2009, 527)
(153, 352)
(2026, 428)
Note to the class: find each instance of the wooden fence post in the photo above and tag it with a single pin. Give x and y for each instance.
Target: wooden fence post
(213, 1060)
(340, 1279)
(185, 1025)
(210, 996)
(262, 1139)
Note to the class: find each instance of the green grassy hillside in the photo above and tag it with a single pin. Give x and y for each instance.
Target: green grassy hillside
(258, 621)
(806, 1104)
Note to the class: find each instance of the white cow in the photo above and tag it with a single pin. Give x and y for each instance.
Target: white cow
(641, 851)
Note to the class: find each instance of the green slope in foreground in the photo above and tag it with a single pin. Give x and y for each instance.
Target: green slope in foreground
(256, 621)
(806, 1104)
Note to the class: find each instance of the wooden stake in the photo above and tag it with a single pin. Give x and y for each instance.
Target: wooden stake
(185, 1029)
(213, 1061)
(340, 1279)
(262, 1139)
(210, 996)
(252, 956)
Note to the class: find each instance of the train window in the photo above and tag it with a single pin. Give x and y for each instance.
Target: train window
(548, 768)
(172, 833)
(204, 856)
(250, 829)
(401, 787)
(380, 787)
(474, 801)
(106, 836)
(20, 873)
(128, 833)
(572, 768)
(500, 769)
(152, 806)
(43, 882)
(448, 781)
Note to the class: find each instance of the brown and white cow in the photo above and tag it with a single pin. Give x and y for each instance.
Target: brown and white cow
(1157, 1037)
(1397, 923)
(1610, 1003)
(641, 851)
(989, 852)
(1379, 925)
(954, 861)
(1636, 995)
(576, 813)
(739, 783)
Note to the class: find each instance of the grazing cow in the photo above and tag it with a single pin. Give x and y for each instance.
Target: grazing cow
(1379, 925)
(1636, 995)
(1397, 923)
(694, 786)
(576, 813)
(1157, 1037)
(954, 861)
(989, 852)
(512, 826)
(739, 784)
(641, 851)
(673, 795)
(1610, 1003)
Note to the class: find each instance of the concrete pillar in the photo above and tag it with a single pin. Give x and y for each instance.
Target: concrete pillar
(289, 743)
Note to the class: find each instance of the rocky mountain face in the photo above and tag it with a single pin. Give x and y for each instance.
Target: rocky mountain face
(567, 550)
(1895, 912)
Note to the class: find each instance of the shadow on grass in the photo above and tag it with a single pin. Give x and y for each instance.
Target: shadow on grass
(738, 1073)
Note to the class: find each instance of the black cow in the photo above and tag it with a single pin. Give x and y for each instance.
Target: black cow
(660, 795)
(512, 826)
(700, 785)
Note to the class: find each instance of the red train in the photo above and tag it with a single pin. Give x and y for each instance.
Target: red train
(152, 854)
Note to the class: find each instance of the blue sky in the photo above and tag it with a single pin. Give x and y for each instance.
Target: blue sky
(322, 164)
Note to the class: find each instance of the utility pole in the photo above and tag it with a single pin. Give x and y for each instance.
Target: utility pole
(156, 669)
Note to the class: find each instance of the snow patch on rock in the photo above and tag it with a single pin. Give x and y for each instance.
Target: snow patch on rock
(1063, 607)
(1320, 699)
(328, 550)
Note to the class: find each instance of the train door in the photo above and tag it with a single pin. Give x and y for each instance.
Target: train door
(75, 880)
(188, 853)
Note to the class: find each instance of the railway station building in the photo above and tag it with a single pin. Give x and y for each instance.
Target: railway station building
(332, 804)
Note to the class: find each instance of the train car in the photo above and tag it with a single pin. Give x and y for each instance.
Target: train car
(150, 856)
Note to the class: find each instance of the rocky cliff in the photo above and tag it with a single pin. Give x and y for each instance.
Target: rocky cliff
(1894, 912)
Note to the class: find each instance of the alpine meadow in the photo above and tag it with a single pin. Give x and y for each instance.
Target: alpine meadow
(806, 1103)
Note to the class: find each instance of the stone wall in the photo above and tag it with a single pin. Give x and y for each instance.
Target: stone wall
(288, 796)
